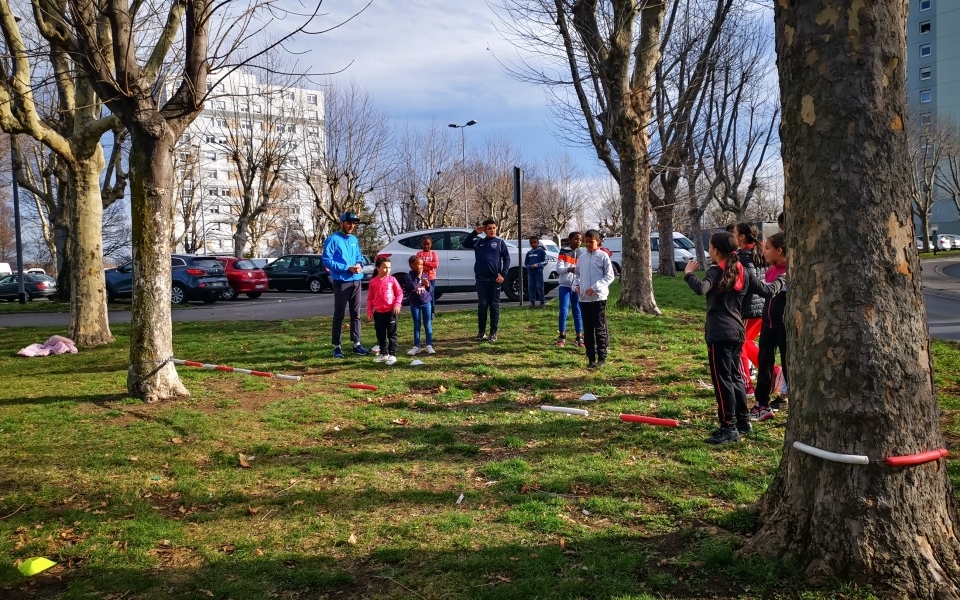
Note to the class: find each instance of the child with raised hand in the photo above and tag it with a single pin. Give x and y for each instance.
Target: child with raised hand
(431, 260)
(773, 333)
(419, 291)
(594, 276)
(384, 298)
(724, 285)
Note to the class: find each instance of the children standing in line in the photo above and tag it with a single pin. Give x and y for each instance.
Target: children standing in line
(419, 291)
(384, 298)
(725, 285)
(750, 255)
(568, 299)
(594, 276)
(535, 262)
(773, 334)
(431, 260)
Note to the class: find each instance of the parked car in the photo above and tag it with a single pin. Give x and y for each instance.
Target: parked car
(368, 270)
(244, 276)
(35, 285)
(260, 262)
(455, 273)
(194, 278)
(683, 250)
(942, 241)
(298, 272)
(36, 270)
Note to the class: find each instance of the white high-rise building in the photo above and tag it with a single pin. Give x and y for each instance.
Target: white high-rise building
(253, 140)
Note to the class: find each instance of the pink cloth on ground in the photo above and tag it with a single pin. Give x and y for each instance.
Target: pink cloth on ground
(55, 345)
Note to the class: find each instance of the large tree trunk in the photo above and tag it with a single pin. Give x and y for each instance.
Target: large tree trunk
(152, 377)
(89, 324)
(861, 374)
(637, 274)
(666, 265)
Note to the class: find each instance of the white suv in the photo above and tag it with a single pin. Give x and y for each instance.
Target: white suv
(455, 273)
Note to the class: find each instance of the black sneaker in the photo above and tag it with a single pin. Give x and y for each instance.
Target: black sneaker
(481, 337)
(593, 365)
(745, 428)
(493, 337)
(724, 435)
(359, 349)
(779, 403)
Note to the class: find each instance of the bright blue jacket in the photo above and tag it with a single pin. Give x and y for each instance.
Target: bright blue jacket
(340, 252)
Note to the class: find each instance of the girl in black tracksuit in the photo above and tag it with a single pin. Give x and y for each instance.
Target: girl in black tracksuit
(725, 285)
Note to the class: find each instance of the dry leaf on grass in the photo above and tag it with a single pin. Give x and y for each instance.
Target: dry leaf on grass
(352, 540)
(176, 440)
(253, 510)
(401, 422)
(243, 461)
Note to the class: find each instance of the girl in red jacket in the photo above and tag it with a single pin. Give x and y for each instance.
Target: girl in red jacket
(384, 297)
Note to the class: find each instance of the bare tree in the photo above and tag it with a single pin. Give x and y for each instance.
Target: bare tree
(610, 209)
(350, 161)
(603, 54)
(123, 60)
(948, 175)
(424, 193)
(491, 177)
(930, 146)
(73, 132)
(8, 249)
(861, 365)
(557, 197)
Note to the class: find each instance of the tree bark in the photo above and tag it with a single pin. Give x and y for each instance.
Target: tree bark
(861, 373)
(89, 323)
(151, 376)
(636, 283)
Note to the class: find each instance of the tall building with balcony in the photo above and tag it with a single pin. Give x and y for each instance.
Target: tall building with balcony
(933, 81)
(253, 140)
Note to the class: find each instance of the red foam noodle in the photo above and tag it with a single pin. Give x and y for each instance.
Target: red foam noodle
(363, 386)
(916, 459)
(650, 420)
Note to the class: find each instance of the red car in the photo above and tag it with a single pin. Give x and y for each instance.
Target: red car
(244, 276)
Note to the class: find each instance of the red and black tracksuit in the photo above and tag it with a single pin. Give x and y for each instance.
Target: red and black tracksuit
(724, 336)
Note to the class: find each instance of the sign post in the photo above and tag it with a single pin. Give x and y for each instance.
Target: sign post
(517, 199)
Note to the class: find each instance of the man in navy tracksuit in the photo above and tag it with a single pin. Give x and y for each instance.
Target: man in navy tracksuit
(490, 269)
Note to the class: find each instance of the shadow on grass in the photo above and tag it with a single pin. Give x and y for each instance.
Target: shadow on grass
(101, 400)
(685, 565)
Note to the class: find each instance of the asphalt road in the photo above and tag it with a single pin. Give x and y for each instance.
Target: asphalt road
(943, 313)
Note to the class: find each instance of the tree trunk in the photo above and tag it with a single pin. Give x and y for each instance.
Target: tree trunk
(637, 272)
(89, 323)
(861, 373)
(666, 266)
(152, 377)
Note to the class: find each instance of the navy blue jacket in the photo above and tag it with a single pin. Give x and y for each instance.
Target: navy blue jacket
(492, 256)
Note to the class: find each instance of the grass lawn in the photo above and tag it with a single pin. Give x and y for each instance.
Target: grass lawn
(447, 482)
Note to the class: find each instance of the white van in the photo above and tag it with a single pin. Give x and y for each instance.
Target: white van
(5, 269)
(683, 250)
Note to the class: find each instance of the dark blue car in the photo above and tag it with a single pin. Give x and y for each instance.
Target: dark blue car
(194, 278)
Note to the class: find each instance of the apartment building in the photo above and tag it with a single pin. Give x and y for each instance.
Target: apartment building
(253, 138)
(933, 81)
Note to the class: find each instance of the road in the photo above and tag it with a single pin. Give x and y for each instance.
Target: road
(943, 312)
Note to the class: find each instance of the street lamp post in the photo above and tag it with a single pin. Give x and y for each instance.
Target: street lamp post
(463, 163)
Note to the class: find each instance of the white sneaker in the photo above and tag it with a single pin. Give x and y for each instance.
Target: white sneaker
(430, 350)
(414, 351)
(390, 360)
(375, 349)
(380, 358)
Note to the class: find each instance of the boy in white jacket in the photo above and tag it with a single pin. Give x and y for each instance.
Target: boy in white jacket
(594, 276)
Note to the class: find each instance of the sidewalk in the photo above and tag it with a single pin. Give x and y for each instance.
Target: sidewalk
(936, 281)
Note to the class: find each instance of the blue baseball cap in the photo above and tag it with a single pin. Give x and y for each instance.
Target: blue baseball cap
(349, 216)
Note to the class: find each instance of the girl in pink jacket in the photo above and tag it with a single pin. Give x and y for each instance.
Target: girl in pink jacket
(384, 297)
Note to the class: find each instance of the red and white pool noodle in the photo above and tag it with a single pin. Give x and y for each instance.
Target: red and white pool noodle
(212, 367)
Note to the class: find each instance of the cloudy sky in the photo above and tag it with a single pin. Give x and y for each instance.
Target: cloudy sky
(429, 61)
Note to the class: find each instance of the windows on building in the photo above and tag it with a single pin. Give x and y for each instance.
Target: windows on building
(925, 27)
(257, 108)
(926, 50)
(221, 104)
(212, 192)
(926, 4)
(312, 114)
(288, 96)
(926, 96)
(926, 73)
(926, 119)
(211, 155)
(212, 174)
(311, 98)
(222, 122)
(211, 139)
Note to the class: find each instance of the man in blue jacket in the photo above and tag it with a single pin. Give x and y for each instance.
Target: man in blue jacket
(342, 256)
(492, 261)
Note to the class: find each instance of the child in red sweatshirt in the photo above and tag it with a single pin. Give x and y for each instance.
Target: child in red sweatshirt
(384, 297)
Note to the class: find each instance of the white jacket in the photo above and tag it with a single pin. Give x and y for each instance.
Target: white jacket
(594, 271)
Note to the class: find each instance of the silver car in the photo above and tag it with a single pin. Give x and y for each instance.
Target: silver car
(455, 273)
